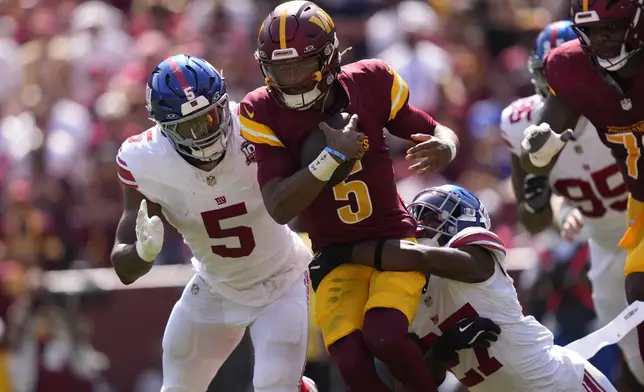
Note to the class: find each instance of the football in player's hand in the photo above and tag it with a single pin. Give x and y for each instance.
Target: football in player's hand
(315, 142)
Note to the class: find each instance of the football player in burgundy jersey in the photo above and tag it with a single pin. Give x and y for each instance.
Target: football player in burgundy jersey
(468, 280)
(600, 76)
(591, 193)
(362, 312)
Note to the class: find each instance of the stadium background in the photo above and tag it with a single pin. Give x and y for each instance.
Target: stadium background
(73, 89)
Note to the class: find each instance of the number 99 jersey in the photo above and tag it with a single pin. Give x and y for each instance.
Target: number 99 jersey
(586, 173)
(241, 252)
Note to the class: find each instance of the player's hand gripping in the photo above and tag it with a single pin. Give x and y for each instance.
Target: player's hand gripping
(466, 333)
(542, 143)
(347, 141)
(149, 234)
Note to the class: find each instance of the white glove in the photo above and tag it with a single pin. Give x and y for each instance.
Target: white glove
(543, 143)
(149, 234)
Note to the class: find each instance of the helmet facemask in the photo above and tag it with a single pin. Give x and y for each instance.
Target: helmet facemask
(202, 135)
(436, 224)
(299, 82)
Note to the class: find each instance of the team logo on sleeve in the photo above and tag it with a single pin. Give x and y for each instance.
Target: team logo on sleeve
(249, 152)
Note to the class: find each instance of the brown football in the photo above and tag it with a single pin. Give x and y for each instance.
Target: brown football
(315, 143)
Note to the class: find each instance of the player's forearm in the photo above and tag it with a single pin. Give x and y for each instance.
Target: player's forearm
(437, 368)
(127, 263)
(400, 255)
(530, 167)
(287, 198)
(534, 222)
(410, 120)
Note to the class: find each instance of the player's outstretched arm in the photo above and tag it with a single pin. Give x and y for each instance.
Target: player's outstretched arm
(543, 143)
(533, 198)
(469, 264)
(138, 237)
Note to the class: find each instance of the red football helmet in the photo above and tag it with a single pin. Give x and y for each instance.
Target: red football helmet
(612, 31)
(297, 50)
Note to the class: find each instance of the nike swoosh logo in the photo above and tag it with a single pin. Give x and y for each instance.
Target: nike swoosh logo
(461, 329)
(250, 114)
(313, 267)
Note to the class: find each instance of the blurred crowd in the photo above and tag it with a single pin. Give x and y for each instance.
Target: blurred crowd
(73, 90)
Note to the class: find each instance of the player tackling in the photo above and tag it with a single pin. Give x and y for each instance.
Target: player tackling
(362, 312)
(468, 279)
(594, 193)
(600, 76)
(196, 171)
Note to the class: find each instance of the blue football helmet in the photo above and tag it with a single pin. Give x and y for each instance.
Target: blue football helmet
(187, 98)
(442, 211)
(554, 35)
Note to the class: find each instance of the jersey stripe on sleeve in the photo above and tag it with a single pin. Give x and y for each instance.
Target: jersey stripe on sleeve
(124, 174)
(399, 93)
(258, 133)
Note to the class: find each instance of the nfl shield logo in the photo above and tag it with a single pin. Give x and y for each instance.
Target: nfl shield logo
(211, 180)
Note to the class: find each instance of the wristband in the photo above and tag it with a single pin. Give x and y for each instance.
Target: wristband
(452, 149)
(336, 153)
(377, 257)
(323, 166)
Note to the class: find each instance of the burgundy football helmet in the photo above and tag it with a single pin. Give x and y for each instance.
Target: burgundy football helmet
(612, 31)
(297, 50)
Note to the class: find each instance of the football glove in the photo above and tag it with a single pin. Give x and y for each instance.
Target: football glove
(149, 234)
(466, 333)
(536, 192)
(543, 143)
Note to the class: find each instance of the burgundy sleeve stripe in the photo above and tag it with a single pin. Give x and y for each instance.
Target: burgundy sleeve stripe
(486, 238)
(121, 162)
(126, 175)
(128, 184)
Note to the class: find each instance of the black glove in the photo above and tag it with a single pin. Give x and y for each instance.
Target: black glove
(327, 260)
(466, 333)
(536, 192)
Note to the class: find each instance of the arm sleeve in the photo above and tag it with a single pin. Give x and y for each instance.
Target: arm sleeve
(404, 120)
(273, 162)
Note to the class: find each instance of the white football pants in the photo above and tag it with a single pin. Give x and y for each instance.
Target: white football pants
(609, 297)
(595, 381)
(204, 328)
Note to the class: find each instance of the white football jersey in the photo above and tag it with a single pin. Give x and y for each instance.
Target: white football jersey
(585, 173)
(238, 248)
(524, 358)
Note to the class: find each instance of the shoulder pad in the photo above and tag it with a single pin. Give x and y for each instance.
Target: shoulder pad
(380, 73)
(564, 62)
(254, 118)
(132, 154)
(515, 118)
(478, 236)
